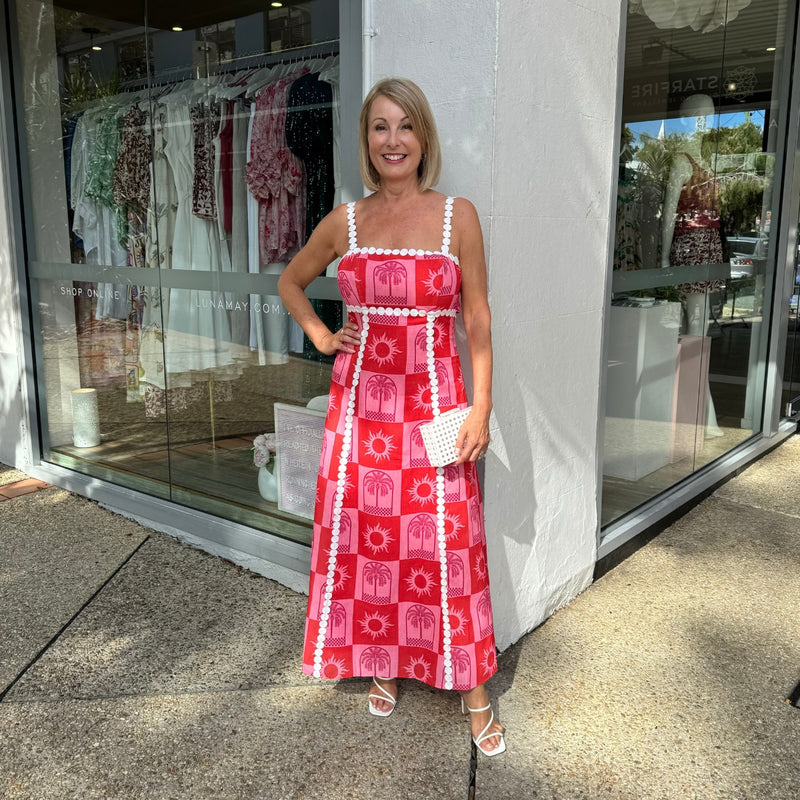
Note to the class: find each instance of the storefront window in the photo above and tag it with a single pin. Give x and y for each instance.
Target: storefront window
(694, 255)
(175, 160)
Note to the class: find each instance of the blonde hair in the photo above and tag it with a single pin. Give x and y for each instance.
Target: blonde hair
(412, 100)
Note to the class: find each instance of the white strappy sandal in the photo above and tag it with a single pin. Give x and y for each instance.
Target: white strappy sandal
(483, 735)
(384, 695)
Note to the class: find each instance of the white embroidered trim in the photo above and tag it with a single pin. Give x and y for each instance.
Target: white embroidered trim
(399, 311)
(430, 322)
(405, 251)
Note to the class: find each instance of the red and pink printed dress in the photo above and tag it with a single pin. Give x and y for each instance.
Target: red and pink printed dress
(399, 583)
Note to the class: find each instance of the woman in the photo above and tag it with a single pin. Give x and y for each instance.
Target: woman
(399, 583)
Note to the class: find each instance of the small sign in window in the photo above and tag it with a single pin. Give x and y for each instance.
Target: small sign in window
(298, 434)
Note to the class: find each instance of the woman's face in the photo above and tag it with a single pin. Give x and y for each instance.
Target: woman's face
(394, 148)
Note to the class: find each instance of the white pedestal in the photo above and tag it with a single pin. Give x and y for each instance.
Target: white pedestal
(85, 418)
(642, 353)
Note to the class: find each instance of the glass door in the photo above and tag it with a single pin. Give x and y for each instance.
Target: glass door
(695, 250)
(790, 398)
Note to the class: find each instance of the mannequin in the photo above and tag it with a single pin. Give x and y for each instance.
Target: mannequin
(691, 231)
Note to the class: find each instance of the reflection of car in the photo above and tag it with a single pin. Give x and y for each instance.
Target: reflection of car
(745, 253)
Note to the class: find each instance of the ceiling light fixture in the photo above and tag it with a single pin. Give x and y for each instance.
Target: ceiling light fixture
(277, 5)
(177, 28)
(698, 15)
(771, 49)
(92, 32)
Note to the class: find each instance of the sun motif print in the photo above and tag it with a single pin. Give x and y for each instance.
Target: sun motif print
(399, 584)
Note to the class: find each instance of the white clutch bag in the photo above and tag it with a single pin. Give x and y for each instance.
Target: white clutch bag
(439, 436)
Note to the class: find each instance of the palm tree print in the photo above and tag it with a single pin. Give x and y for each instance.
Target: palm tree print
(455, 575)
(388, 274)
(421, 536)
(375, 661)
(485, 614)
(419, 458)
(461, 668)
(378, 492)
(377, 583)
(336, 626)
(420, 623)
(381, 389)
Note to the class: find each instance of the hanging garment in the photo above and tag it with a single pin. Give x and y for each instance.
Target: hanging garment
(97, 218)
(240, 321)
(130, 182)
(309, 134)
(205, 122)
(269, 321)
(399, 584)
(331, 75)
(275, 177)
(198, 332)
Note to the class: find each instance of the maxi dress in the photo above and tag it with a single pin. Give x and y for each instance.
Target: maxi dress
(399, 584)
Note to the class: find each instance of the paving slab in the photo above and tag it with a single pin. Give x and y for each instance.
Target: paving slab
(56, 550)
(772, 483)
(9, 491)
(175, 620)
(283, 743)
(666, 678)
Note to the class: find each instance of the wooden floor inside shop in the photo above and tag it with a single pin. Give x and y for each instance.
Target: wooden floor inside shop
(204, 448)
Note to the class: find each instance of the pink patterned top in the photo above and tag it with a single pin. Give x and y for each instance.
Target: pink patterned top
(275, 176)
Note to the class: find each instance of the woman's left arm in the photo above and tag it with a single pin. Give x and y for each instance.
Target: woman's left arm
(473, 438)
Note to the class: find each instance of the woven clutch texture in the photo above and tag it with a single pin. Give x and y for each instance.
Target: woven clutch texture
(439, 436)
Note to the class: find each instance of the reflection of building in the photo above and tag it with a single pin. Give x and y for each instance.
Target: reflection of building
(530, 134)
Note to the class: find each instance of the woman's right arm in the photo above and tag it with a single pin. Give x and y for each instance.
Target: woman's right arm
(324, 244)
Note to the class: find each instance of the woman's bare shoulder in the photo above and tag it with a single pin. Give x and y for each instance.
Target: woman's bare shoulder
(464, 207)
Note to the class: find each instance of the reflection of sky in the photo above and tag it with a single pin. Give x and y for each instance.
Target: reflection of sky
(688, 125)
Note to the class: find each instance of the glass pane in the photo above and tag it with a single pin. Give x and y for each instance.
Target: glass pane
(791, 373)
(693, 255)
(174, 168)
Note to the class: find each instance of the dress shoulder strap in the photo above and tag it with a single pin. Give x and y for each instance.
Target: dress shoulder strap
(351, 225)
(448, 217)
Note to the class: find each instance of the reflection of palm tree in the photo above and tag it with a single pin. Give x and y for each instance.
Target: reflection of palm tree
(381, 388)
(376, 574)
(392, 272)
(375, 660)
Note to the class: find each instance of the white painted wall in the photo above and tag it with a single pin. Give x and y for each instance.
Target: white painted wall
(525, 94)
(14, 433)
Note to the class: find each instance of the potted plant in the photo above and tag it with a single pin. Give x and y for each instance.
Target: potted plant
(265, 458)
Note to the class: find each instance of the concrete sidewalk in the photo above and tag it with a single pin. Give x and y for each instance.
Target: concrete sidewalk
(134, 667)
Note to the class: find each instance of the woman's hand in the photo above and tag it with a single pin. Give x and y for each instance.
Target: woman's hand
(473, 439)
(345, 340)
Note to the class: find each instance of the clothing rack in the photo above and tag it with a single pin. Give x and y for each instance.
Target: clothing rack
(329, 47)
